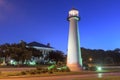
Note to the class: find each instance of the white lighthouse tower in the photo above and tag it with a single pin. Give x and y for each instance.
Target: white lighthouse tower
(74, 59)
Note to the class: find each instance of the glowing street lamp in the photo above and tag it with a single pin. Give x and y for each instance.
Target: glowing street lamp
(90, 59)
(99, 68)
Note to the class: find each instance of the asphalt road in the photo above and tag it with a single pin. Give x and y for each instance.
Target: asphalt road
(68, 77)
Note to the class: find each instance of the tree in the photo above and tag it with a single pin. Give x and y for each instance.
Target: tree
(35, 52)
(18, 52)
(4, 49)
(56, 56)
(21, 55)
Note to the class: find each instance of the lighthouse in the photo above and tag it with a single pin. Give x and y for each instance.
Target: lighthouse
(74, 59)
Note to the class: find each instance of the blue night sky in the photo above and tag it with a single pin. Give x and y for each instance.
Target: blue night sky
(45, 21)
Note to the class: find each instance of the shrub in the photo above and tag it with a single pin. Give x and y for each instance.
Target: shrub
(63, 69)
(38, 71)
(27, 71)
(39, 68)
(93, 68)
(44, 70)
(50, 72)
(67, 70)
(33, 72)
(23, 73)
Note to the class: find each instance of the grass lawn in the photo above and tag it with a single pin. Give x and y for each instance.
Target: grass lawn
(17, 73)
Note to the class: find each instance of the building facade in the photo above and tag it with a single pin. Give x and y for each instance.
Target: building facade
(44, 49)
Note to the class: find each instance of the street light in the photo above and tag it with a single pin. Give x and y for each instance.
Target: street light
(90, 59)
(99, 68)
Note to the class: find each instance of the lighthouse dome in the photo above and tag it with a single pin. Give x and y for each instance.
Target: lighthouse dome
(73, 12)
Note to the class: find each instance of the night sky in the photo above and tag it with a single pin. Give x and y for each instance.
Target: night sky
(45, 21)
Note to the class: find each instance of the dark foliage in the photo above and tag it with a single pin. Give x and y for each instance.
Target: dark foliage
(99, 56)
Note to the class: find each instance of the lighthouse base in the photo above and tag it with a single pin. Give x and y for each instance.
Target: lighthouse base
(75, 67)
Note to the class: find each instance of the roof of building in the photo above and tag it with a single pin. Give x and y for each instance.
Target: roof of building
(38, 45)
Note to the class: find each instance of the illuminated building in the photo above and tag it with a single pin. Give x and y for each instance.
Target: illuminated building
(44, 49)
